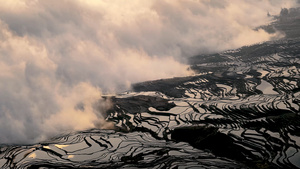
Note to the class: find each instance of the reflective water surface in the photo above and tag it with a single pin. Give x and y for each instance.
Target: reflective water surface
(240, 111)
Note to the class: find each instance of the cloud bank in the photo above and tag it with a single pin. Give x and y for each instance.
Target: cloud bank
(58, 57)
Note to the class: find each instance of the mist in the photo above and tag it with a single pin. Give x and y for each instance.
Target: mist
(57, 58)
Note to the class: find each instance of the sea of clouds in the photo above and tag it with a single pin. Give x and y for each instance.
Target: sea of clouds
(57, 58)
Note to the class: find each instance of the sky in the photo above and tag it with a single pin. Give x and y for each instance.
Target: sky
(57, 58)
